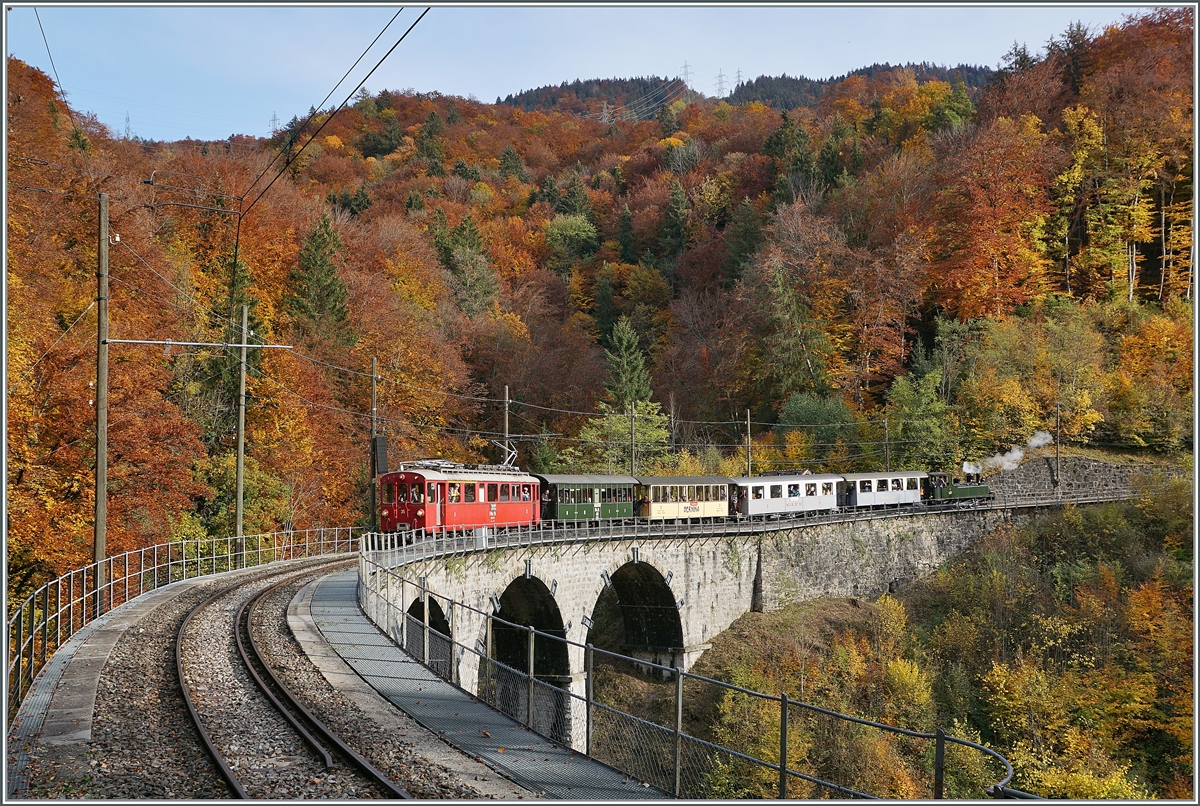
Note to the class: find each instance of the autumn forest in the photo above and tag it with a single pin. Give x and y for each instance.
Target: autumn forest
(896, 266)
(966, 264)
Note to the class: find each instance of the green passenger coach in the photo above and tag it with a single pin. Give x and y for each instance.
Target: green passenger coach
(586, 498)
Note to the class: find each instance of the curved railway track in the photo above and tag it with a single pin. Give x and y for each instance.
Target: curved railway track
(265, 742)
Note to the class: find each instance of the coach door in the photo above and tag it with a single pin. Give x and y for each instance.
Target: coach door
(437, 502)
(493, 495)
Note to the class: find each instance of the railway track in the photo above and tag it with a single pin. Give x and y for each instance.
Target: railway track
(266, 743)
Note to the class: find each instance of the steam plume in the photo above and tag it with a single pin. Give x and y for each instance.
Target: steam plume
(1010, 460)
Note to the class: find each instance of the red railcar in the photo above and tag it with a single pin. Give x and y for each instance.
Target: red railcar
(436, 495)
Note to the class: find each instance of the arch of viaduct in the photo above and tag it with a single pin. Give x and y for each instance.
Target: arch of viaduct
(675, 594)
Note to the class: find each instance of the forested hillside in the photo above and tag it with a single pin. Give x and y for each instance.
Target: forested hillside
(791, 92)
(905, 269)
(1065, 644)
(604, 99)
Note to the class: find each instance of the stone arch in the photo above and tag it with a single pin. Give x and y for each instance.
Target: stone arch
(527, 602)
(652, 627)
(437, 618)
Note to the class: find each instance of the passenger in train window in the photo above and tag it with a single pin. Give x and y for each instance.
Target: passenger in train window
(418, 495)
(401, 493)
(793, 491)
(864, 486)
(827, 488)
(810, 489)
(525, 492)
(756, 493)
(453, 492)
(897, 484)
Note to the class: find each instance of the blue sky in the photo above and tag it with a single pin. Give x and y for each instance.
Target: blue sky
(209, 72)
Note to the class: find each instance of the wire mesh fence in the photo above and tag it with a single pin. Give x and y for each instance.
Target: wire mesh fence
(805, 752)
(48, 617)
(55, 611)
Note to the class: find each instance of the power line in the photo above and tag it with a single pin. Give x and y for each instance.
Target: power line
(61, 91)
(645, 103)
(292, 158)
(51, 347)
(316, 109)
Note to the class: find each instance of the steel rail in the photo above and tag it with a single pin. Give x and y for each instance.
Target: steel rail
(230, 777)
(226, 772)
(254, 656)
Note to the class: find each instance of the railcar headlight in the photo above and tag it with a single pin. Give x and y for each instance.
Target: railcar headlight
(420, 512)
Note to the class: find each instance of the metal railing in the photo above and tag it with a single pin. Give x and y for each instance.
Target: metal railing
(47, 619)
(663, 755)
(408, 546)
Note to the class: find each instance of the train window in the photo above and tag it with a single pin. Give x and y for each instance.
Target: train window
(564, 497)
(674, 490)
(897, 484)
(827, 488)
(912, 484)
(401, 493)
(810, 488)
(526, 492)
(756, 492)
(493, 493)
(777, 491)
(454, 492)
(708, 492)
(793, 491)
(389, 492)
(724, 493)
(417, 495)
(864, 486)
(503, 492)
(432, 495)
(656, 494)
(469, 492)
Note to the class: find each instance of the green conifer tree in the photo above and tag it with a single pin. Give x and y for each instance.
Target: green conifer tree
(674, 236)
(316, 297)
(468, 172)
(511, 164)
(628, 379)
(574, 200)
(742, 239)
(625, 237)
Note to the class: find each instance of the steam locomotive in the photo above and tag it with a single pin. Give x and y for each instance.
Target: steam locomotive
(435, 495)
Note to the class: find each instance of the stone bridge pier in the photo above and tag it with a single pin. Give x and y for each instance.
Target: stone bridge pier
(674, 595)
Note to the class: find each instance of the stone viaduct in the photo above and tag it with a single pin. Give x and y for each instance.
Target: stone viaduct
(675, 592)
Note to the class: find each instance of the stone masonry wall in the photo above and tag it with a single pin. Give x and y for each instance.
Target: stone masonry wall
(866, 558)
(1035, 476)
